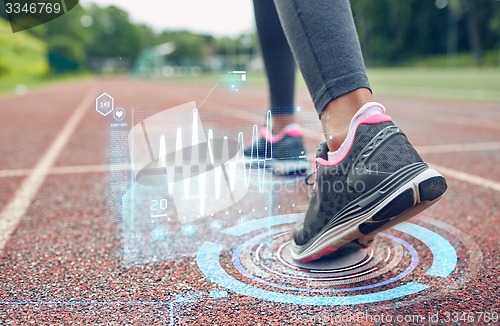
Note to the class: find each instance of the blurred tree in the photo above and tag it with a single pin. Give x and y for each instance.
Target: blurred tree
(81, 35)
(476, 14)
(394, 31)
(67, 41)
(494, 23)
(190, 48)
(391, 32)
(65, 54)
(115, 36)
(385, 28)
(473, 16)
(3, 13)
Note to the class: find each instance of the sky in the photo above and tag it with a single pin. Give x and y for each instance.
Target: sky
(217, 17)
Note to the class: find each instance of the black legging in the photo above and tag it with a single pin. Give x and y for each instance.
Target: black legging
(324, 43)
(278, 58)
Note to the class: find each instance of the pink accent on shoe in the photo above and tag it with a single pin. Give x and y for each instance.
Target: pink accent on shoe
(292, 130)
(374, 119)
(327, 251)
(310, 259)
(323, 162)
(264, 133)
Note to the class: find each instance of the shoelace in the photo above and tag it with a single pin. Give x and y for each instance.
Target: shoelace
(308, 177)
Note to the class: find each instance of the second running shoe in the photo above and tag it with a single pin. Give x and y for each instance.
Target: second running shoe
(283, 153)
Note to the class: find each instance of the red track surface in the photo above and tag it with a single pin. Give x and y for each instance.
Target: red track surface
(63, 264)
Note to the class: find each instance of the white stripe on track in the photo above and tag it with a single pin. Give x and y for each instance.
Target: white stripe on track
(19, 204)
(72, 169)
(15, 173)
(90, 168)
(458, 148)
(466, 177)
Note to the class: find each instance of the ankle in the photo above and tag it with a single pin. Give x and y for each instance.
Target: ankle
(370, 113)
(281, 121)
(337, 115)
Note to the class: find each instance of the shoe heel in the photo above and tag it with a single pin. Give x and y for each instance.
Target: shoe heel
(430, 191)
(433, 188)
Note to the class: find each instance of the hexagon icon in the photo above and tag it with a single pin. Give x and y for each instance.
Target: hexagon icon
(105, 104)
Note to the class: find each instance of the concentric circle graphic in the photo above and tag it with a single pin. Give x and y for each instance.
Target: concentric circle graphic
(261, 266)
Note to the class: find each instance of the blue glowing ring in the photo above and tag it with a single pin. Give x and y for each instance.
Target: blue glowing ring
(444, 262)
(241, 269)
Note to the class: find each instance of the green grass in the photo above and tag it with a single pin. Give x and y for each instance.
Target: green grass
(491, 58)
(23, 59)
(440, 83)
(482, 84)
(477, 84)
(21, 53)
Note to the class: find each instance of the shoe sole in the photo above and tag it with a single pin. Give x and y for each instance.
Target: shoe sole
(414, 196)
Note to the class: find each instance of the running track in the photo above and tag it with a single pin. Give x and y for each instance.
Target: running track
(61, 258)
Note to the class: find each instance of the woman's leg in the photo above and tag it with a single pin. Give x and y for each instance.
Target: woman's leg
(369, 177)
(279, 63)
(284, 141)
(325, 44)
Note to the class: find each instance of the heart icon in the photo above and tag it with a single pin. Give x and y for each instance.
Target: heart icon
(119, 114)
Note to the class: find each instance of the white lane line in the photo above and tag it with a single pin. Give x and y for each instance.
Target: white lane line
(457, 148)
(72, 169)
(478, 122)
(15, 173)
(78, 169)
(430, 149)
(466, 177)
(17, 207)
(440, 93)
(90, 168)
